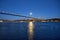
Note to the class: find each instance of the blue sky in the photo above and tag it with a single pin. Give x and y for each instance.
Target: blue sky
(40, 8)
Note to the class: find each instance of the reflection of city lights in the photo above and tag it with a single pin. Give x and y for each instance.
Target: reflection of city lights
(30, 31)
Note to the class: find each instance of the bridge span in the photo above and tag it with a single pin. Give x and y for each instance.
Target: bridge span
(16, 15)
(31, 18)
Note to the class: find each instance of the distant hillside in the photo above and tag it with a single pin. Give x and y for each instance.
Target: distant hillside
(54, 19)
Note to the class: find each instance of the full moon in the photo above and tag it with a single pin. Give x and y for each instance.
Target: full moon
(30, 13)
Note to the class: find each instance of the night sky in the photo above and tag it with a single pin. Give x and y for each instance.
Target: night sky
(43, 9)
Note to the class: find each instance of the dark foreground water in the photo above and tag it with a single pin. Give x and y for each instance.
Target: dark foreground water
(19, 31)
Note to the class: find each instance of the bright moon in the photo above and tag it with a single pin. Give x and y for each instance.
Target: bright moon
(30, 13)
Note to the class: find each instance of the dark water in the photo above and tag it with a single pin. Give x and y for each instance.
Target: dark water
(18, 31)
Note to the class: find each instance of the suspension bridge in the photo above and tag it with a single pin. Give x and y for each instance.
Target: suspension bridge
(31, 18)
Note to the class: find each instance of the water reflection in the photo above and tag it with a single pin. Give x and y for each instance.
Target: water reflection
(30, 30)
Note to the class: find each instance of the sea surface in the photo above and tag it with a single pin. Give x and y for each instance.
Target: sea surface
(19, 31)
